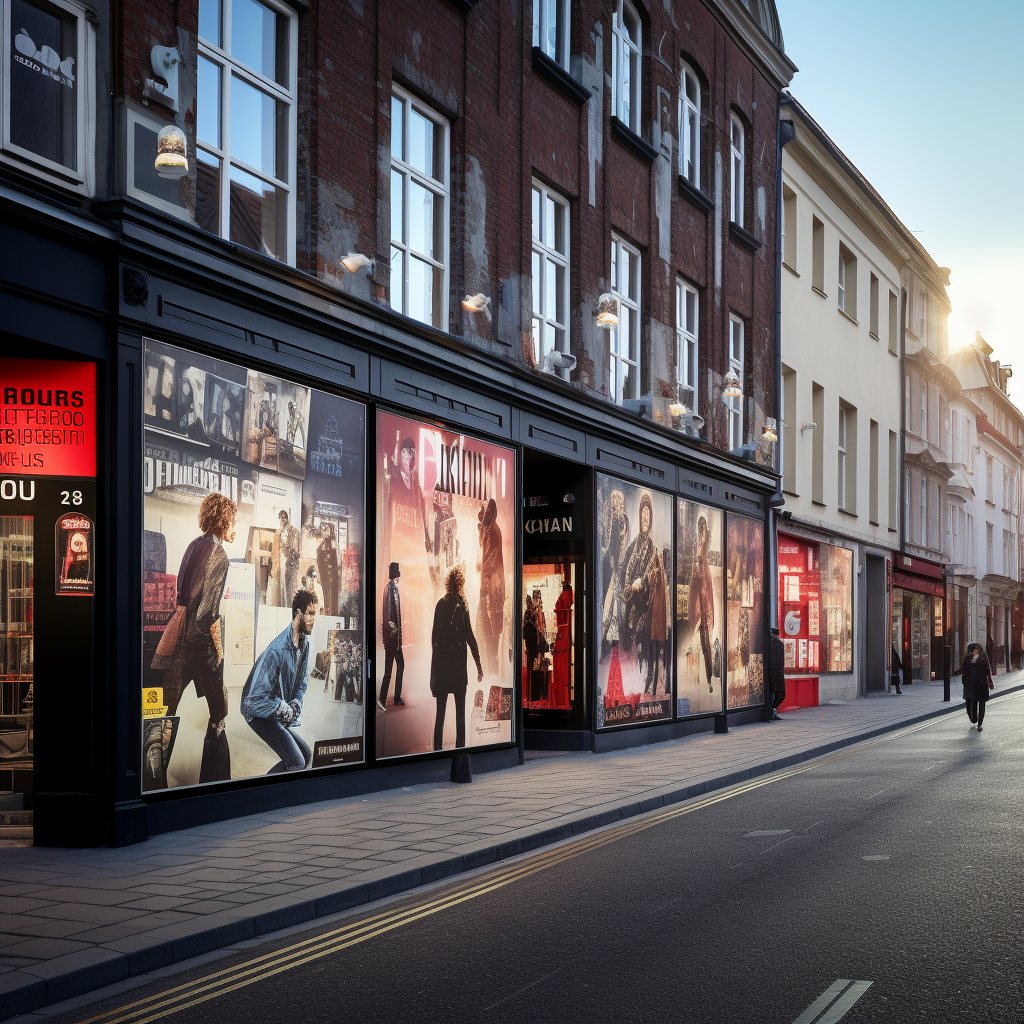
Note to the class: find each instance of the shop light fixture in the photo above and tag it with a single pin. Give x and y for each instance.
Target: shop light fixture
(606, 315)
(732, 386)
(478, 303)
(556, 360)
(355, 261)
(769, 434)
(171, 153)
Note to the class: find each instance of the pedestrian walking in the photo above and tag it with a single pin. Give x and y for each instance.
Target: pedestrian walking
(776, 672)
(895, 671)
(977, 680)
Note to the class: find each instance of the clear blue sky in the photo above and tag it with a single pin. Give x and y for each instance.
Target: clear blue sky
(925, 98)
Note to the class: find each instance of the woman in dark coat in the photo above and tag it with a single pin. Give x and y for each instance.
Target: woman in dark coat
(451, 634)
(977, 680)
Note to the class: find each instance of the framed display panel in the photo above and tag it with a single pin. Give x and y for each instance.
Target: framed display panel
(446, 517)
(699, 608)
(634, 533)
(744, 631)
(254, 492)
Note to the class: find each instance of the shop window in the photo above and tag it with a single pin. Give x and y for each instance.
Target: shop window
(627, 50)
(815, 606)
(549, 652)
(550, 279)
(624, 340)
(744, 551)
(551, 29)
(46, 90)
(687, 350)
(17, 658)
(689, 126)
(419, 211)
(245, 125)
(734, 407)
(738, 170)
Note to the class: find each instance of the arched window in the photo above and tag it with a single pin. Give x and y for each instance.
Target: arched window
(689, 126)
(626, 51)
(738, 171)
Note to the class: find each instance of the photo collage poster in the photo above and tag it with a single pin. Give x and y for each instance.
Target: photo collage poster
(634, 676)
(446, 523)
(700, 604)
(285, 466)
(745, 661)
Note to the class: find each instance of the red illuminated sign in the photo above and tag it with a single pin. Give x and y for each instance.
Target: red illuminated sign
(47, 418)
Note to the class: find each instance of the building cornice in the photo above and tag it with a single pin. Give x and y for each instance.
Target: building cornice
(753, 40)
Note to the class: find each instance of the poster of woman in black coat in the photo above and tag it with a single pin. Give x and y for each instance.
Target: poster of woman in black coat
(451, 634)
(977, 680)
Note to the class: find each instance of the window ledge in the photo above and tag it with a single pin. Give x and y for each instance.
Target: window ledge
(631, 140)
(554, 74)
(795, 273)
(694, 196)
(818, 291)
(743, 238)
(872, 334)
(852, 319)
(847, 512)
(821, 504)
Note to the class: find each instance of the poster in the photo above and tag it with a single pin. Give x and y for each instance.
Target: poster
(634, 682)
(253, 494)
(74, 559)
(445, 585)
(700, 604)
(745, 609)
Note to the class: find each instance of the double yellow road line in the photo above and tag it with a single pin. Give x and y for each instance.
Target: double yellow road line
(219, 983)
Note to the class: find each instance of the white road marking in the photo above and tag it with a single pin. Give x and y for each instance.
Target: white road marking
(873, 795)
(767, 832)
(834, 1003)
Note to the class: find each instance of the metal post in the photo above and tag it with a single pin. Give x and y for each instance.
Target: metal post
(947, 658)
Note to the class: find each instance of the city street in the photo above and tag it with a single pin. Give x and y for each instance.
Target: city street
(879, 883)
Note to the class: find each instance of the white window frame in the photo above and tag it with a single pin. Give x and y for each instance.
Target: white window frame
(841, 448)
(842, 280)
(545, 253)
(734, 406)
(689, 125)
(922, 316)
(620, 362)
(908, 519)
(542, 11)
(288, 95)
(81, 177)
(623, 45)
(687, 345)
(738, 146)
(924, 511)
(440, 189)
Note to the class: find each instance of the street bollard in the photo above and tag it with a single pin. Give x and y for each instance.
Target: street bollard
(947, 657)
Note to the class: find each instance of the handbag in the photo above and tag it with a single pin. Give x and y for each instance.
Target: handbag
(169, 639)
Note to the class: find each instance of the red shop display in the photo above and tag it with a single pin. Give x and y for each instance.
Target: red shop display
(800, 605)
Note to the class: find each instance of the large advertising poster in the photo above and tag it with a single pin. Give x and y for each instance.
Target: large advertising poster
(745, 608)
(700, 600)
(837, 608)
(634, 681)
(445, 589)
(252, 573)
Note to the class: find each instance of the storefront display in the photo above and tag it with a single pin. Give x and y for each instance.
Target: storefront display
(634, 682)
(548, 650)
(815, 606)
(445, 588)
(699, 608)
(254, 513)
(745, 609)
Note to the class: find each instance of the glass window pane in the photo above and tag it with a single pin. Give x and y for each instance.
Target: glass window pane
(396, 206)
(421, 143)
(259, 214)
(254, 36)
(549, 338)
(208, 103)
(551, 43)
(632, 84)
(396, 279)
(537, 283)
(691, 312)
(561, 215)
(422, 219)
(207, 192)
(254, 119)
(536, 342)
(44, 90)
(536, 214)
(631, 330)
(424, 294)
(550, 291)
(209, 21)
(559, 314)
(397, 147)
(549, 221)
(560, 344)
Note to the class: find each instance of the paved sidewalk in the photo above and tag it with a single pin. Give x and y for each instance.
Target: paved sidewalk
(72, 921)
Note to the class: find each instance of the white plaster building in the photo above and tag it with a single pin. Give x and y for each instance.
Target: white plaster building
(843, 254)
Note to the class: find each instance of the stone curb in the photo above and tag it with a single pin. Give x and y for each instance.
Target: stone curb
(89, 969)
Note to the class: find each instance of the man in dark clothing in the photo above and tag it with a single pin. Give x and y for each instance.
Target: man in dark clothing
(896, 671)
(776, 671)
(391, 632)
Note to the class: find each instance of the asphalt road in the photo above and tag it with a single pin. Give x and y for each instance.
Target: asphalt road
(895, 868)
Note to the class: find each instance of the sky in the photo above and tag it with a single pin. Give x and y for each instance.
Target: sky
(925, 99)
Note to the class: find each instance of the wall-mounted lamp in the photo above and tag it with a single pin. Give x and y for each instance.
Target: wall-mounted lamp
(478, 303)
(171, 153)
(808, 425)
(556, 360)
(768, 435)
(606, 314)
(355, 261)
(733, 389)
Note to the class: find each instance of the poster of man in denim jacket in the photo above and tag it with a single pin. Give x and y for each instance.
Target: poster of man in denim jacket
(273, 693)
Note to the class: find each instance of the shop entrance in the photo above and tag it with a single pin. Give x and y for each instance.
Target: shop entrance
(554, 596)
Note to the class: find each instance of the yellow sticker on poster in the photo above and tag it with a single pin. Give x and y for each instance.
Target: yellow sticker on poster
(153, 702)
